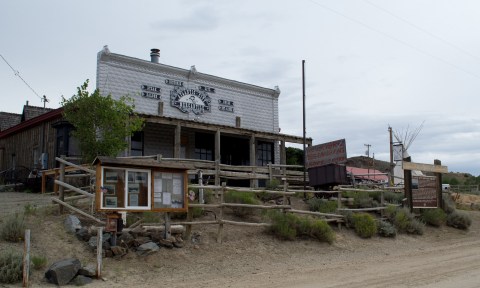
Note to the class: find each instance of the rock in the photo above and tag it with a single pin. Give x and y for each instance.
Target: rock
(178, 244)
(118, 251)
(90, 270)
(72, 224)
(81, 280)
(147, 248)
(165, 243)
(92, 242)
(83, 234)
(126, 238)
(62, 272)
(196, 238)
(138, 231)
(140, 241)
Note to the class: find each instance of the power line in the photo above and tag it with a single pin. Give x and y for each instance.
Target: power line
(422, 30)
(396, 39)
(43, 99)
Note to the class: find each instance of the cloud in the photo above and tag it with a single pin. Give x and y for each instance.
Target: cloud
(194, 21)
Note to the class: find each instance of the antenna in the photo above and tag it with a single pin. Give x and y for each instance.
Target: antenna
(44, 100)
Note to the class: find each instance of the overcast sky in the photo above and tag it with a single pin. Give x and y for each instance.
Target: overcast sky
(369, 63)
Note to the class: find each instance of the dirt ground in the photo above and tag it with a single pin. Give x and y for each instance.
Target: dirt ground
(248, 257)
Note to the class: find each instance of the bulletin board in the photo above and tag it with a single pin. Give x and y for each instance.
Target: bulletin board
(169, 191)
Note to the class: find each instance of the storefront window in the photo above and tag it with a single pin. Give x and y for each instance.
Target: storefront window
(264, 153)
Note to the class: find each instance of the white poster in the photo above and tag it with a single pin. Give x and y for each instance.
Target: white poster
(167, 198)
(177, 186)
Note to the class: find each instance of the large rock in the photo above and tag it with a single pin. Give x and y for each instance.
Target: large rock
(72, 224)
(147, 248)
(81, 280)
(83, 234)
(62, 272)
(118, 251)
(90, 270)
(126, 239)
(92, 242)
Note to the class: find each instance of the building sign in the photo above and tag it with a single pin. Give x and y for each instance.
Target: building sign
(151, 92)
(206, 89)
(225, 105)
(424, 191)
(190, 100)
(327, 153)
(174, 82)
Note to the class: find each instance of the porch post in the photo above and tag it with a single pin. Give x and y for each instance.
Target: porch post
(253, 162)
(176, 148)
(217, 156)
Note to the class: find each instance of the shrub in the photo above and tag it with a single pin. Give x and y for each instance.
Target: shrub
(448, 204)
(272, 184)
(241, 198)
(459, 220)
(415, 227)
(29, 209)
(386, 229)
(322, 205)
(393, 197)
(434, 217)
(362, 200)
(13, 228)
(288, 226)
(349, 221)
(283, 225)
(151, 217)
(39, 262)
(365, 225)
(390, 212)
(11, 267)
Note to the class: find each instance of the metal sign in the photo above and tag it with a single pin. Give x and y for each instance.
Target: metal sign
(398, 152)
(190, 100)
(327, 153)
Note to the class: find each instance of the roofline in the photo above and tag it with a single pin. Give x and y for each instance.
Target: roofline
(57, 113)
(105, 57)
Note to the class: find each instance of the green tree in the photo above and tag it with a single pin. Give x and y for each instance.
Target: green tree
(101, 123)
(294, 156)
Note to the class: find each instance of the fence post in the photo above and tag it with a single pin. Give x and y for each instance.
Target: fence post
(339, 205)
(26, 259)
(167, 225)
(99, 252)
(217, 174)
(382, 202)
(220, 216)
(62, 179)
(188, 229)
(200, 190)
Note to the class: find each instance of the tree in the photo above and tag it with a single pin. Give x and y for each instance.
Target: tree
(294, 156)
(101, 123)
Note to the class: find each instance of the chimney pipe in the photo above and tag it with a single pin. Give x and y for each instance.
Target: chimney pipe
(155, 55)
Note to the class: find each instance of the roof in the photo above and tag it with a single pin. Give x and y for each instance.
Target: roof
(53, 114)
(8, 120)
(30, 112)
(141, 162)
(367, 174)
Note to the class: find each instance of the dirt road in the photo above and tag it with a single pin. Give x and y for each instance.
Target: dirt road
(442, 257)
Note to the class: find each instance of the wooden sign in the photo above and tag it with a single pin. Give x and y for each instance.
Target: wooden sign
(425, 167)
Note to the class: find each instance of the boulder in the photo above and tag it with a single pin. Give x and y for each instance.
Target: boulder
(126, 238)
(90, 270)
(72, 224)
(118, 251)
(62, 272)
(83, 234)
(167, 243)
(147, 249)
(140, 241)
(81, 280)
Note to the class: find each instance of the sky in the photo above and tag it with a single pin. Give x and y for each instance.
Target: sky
(369, 64)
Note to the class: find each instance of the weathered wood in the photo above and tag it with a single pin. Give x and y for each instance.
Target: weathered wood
(79, 167)
(72, 198)
(204, 205)
(196, 222)
(363, 209)
(238, 189)
(174, 229)
(61, 188)
(244, 223)
(26, 258)
(315, 213)
(256, 206)
(77, 210)
(65, 185)
(136, 224)
(242, 175)
(359, 190)
(220, 215)
(99, 252)
(424, 167)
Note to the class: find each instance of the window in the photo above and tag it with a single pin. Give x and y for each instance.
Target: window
(204, 145)
(136, 144)
(125, 188)
(264, 153)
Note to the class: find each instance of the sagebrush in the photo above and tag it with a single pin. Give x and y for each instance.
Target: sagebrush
(11, 267)
(365, 225)
(13, 228)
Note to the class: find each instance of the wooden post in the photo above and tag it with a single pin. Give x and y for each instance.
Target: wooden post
(220, 216)
(407, 179)
(99, 252)
(283, 156)
(270, 172)
(167, 225)
(339, 206)
(61, 188)
(438, 177)
(26, 259)
(55, 186)
(188, 230)
(382, 201)
(201, 199)
(44, 182)
(252, 159)
(285, 189)
(176, 148)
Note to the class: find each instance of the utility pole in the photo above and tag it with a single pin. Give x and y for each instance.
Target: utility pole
(304, 134)
(368, 149)
(391, 156)
(368, 155)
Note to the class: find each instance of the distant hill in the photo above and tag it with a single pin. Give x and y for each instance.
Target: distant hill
(367, 162)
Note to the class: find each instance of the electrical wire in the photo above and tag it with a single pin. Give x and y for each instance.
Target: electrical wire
(396, 39)
(43, 99)
(422, 29)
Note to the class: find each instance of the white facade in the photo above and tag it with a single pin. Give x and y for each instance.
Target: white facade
(152, 85)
